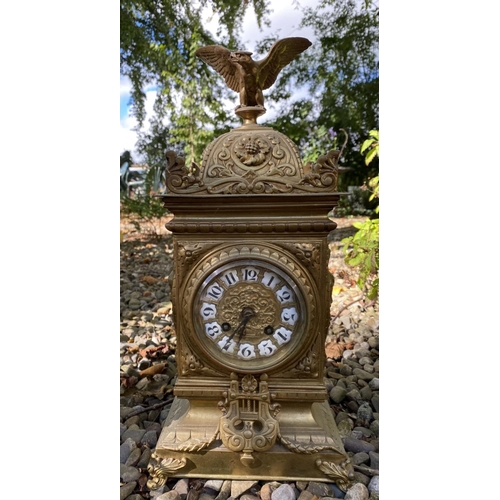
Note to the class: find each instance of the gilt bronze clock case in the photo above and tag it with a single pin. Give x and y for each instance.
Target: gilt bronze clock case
(251, 307)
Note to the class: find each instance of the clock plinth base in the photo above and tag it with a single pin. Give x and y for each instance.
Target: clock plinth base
(308, 448)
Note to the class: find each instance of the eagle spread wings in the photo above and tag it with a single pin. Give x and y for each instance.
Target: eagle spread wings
(248, 77)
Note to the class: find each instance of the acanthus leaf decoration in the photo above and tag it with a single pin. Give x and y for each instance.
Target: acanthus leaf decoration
(342, 474)
(160, 469)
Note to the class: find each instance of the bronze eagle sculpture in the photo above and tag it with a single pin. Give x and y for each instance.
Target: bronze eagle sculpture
(248, 77)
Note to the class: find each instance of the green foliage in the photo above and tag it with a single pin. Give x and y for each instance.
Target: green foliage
(158, 39)
(362, 249)
(144, 212)
(358, 201)
(340, 71)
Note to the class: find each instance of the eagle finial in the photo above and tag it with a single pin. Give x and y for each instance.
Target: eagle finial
(248, 77)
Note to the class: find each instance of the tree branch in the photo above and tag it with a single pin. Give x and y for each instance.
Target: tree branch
(149, 408)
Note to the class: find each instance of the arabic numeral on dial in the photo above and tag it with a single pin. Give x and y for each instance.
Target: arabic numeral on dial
(213, 330)
(270, 279)
(247, 351)
(208, 311)
(227, 345)
(215, 291)
(284, 294)
(289, 315)
(231, 277)
(266, 348)
(282, 335)
(250, 273)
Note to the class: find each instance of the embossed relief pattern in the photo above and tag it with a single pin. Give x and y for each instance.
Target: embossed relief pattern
(263, 300)
(252, 162)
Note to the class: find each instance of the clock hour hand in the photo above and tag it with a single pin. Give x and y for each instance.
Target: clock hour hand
(246, 315)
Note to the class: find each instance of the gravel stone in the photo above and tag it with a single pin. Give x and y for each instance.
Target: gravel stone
(225, 491)
(366, 393)
(357, 445)
(374, 464)
(363, 374)
(345, 427)
(360, 458)
(304, 495)
(150, 438)
(125, 449)
(214, 484)
(342, 415)
(365, 415)
(133, 458)
(357, 492)
(361, 354)
(144, 460)
(356, 434)
(348, 353)
(128, 474)
(359, 477)
(373, 485)
(134, 434)
(182, 487)
(364, 431)
(346, 370)
(353, 395)
(169, 495)
(338, 394)
(127, 489)
(240, 487)
(284, 492)
(365, 360)
(319, 489)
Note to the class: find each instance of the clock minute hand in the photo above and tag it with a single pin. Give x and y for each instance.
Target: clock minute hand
(246, 315)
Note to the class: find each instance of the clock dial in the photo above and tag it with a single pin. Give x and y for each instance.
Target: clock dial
(249, 314)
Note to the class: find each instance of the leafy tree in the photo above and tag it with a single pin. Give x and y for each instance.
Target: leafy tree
(158, 39)
(362, 249)
(340, 72)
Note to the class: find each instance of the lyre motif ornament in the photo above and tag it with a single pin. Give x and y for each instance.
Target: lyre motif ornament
(248, 424)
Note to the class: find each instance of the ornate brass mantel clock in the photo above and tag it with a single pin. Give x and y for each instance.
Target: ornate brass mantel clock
(251, 298)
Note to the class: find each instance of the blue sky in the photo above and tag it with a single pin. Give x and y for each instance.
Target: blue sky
(284, 18)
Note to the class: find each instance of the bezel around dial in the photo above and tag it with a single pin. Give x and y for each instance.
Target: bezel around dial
(262, 300)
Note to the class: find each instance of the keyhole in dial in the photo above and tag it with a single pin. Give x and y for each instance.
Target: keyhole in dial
(268, 330)
(226, 327)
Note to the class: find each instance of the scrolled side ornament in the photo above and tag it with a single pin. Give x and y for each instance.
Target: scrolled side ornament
(160, 469)
(178, 176)
(342, 474)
